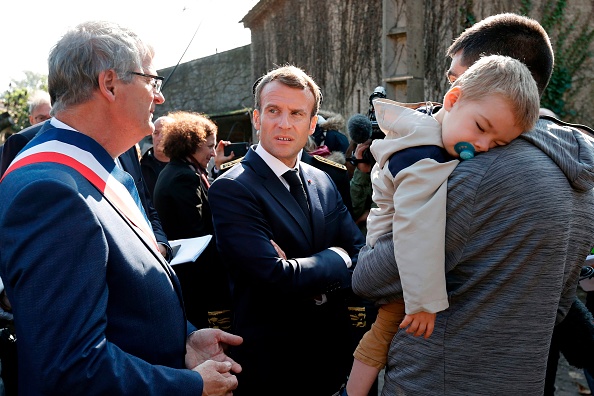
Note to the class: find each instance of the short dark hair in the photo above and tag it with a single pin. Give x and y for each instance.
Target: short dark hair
(290, 76)
(510, 35)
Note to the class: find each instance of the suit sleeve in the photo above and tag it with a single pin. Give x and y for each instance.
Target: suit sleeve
(244, 227)
(59, 284)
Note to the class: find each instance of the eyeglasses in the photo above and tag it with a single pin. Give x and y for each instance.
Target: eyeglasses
(41, 118)
(156, 81)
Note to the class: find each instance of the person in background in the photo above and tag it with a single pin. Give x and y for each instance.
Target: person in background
(501, 206)
(360, 187)
(491, 104)
(290, 244)
(97, 309)
(154, 160)
(181, 199)
(328, 132)
(39, 107)
(221, 162)
(39, 111)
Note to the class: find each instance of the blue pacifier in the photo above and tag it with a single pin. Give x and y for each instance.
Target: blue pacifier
(465, 149)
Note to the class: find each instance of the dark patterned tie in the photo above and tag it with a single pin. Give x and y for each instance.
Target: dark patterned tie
(297, 191)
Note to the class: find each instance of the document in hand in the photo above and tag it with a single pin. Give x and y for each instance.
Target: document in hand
(188, 250)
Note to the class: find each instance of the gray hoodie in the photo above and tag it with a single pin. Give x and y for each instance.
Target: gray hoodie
(519, 226)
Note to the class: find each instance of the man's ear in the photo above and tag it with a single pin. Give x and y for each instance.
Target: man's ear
(451, 97)
(107, 82)
(256, 119)
(312, 124)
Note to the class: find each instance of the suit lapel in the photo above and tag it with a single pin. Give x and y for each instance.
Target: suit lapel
(280, 193)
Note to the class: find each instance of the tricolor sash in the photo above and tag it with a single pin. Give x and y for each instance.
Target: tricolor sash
(62, 146)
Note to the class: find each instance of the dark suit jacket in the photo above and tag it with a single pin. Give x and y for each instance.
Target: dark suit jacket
(291, 345)
(89, 297)
(181, 198)
(339, 176)
(129, 160)
(15, 143)
(182, 202)
(151, 167)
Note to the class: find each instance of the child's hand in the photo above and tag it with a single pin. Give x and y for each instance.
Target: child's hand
(419, 323)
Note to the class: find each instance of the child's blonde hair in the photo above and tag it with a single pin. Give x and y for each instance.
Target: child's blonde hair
(505, 76)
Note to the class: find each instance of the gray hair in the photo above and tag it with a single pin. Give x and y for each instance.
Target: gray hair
(36, 99)
(85, 51)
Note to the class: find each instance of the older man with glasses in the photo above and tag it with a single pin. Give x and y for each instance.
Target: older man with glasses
(39, 107)
(97, 309)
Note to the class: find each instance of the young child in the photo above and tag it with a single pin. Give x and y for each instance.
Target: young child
(491, 104)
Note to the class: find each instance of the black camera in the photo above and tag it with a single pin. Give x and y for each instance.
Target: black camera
(363, 128)
(378, 92)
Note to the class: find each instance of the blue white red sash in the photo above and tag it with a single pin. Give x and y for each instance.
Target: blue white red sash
(55, 147)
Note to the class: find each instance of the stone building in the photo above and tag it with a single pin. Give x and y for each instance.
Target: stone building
(218, 85)
(350, 47)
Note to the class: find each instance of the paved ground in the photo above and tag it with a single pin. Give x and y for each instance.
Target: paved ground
(568, 378)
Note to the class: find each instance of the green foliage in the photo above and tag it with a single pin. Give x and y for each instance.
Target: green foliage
(570, 54)
(468, 17)
(15, 98)
(553, 97)
(525, 7)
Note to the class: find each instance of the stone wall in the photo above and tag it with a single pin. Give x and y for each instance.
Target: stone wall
(219, 85)
(341, 44)
(337, 42)
(445, 20)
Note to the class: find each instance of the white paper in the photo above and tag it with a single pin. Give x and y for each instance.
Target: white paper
(188, 250)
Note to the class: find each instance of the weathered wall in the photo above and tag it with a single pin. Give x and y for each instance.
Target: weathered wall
(214, 85)
(444, 20)
(340, 44)
(337, 42)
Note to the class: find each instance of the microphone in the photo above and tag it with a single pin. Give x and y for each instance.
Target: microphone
(360, 128)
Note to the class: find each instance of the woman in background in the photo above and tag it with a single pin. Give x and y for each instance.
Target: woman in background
(181, 199)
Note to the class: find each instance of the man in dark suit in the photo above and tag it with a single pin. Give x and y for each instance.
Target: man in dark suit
(96, 307)
(290, 263)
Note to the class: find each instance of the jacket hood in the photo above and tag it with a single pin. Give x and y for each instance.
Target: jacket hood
(403, 127)
(332, 121)
(569, 147)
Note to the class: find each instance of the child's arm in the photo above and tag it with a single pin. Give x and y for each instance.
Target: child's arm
(372, 351)
(419, 323)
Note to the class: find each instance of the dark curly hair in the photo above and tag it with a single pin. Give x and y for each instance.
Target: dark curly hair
(187, 131)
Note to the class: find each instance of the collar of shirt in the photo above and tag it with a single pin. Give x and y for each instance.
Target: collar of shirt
(276, 165)
(59, 124)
